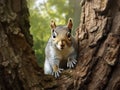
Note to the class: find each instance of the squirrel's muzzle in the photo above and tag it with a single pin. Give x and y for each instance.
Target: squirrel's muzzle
(61, 45)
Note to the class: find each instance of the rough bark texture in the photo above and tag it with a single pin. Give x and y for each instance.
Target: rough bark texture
(18, 66)
(98, 37)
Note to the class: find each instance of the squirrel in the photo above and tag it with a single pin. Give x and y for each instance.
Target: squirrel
(61, 49)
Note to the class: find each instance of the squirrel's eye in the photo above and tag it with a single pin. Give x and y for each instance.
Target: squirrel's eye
(54, 34)
(68, 34)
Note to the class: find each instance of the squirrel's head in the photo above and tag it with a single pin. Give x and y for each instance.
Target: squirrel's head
(61, 35)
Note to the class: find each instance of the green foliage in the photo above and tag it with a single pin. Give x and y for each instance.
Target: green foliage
(40, 17)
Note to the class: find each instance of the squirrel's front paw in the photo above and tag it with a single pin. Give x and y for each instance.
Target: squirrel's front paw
(71, 62)
(57, 72)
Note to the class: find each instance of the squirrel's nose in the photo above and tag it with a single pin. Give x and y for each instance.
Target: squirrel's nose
(62, 46)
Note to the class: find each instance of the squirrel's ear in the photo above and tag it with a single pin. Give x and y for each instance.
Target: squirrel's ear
(70, 24)
(52, 24)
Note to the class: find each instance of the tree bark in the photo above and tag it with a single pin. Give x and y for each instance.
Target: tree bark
(18, 67)
(98, 36)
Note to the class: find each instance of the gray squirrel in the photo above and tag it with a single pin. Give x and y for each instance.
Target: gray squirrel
(61, 49)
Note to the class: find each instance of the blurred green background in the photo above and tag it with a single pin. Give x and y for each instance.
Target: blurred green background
(41, 13)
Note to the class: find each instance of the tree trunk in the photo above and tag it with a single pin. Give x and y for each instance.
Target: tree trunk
(98, 38)
(18, 67)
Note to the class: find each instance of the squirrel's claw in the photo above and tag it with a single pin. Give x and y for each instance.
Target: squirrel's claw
(57, 73)
(71, 63)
